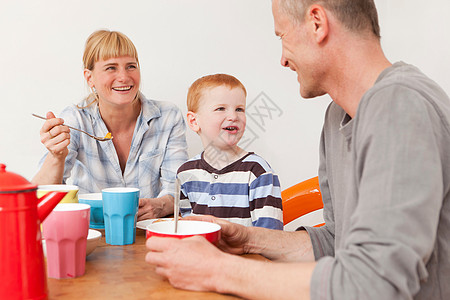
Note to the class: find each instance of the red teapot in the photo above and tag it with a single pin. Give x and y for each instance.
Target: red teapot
(22, 266)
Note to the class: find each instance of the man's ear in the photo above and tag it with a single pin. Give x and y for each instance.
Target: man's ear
(319, 20)
(88, 76)
(192, 121)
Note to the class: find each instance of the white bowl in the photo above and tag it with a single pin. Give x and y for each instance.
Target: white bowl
(93, 239)
(143, 224)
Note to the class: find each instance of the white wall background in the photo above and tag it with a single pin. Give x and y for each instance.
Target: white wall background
(178, 41)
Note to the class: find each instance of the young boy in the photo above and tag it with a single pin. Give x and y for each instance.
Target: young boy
(224, 180)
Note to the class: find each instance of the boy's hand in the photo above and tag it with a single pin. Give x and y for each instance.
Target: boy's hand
(152, 208)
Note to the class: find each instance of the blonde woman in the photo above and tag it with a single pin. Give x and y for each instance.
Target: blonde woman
(148, 142)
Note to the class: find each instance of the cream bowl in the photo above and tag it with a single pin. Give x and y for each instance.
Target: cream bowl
(93, 240)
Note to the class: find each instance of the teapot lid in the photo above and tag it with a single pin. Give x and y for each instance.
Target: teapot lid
(12, 182)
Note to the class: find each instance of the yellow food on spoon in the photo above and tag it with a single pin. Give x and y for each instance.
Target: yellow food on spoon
(108, 136)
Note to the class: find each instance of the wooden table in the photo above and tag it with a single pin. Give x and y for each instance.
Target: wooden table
(120, 272)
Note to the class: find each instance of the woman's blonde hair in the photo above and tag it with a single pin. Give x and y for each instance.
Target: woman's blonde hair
(103, 45)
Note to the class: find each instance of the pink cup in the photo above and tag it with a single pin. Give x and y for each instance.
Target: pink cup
(65, 231)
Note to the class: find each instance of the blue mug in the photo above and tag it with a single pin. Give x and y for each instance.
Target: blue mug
(120, 207)
(95, 201)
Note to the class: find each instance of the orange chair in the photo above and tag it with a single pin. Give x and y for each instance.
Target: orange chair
(302, 199)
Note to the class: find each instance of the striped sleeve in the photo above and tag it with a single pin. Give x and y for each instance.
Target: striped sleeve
(185, 205)
(265, 196)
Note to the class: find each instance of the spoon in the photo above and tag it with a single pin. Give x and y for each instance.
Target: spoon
(176, 206)
(106, 138)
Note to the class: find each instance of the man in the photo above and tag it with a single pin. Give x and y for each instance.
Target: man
(384, 176)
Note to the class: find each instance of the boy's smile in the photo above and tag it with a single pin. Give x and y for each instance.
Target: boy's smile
(231, 129)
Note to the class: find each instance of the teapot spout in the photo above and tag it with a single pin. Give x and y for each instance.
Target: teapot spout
(48, 202)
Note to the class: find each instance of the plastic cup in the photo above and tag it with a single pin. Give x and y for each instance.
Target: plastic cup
(72, 191)
(120, 207)
(65, 232)
(94, 200)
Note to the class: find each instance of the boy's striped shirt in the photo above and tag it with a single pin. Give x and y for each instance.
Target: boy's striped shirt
(247, 191)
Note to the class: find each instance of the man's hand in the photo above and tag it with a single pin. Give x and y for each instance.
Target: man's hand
(195, 264)
(152, 208)
(234, 237)
(273, 244)
(188, 263)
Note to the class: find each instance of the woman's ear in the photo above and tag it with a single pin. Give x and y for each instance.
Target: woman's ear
(192, 121)
(88, 76)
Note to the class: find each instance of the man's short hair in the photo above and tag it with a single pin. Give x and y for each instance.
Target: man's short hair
(208, 82)
(355, 15)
